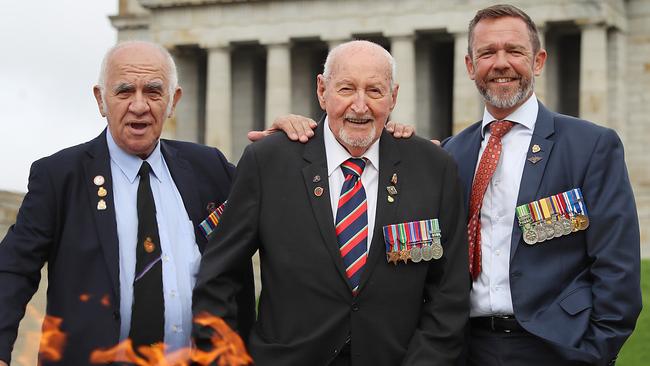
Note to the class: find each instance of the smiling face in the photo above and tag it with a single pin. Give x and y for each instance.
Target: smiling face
(503, 64)
(136, 100)
(357, 95)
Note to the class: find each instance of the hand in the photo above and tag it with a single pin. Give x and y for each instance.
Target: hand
(400, 130)
(437, 142)
(2, 363)
(297, 128)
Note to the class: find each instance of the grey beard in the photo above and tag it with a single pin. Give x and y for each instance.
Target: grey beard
(364, 141)
(507, 102)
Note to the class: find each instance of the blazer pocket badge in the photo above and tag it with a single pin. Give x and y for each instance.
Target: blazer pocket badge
(210, 223)
(554, 216)
(416, 241)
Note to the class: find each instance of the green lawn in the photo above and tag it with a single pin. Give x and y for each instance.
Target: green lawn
(636, 351)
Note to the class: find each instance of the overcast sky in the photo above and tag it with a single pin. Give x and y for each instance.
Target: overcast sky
(50, 58)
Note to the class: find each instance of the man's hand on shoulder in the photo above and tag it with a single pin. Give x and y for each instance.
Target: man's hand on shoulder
(399, 130)
(2, 363)
(297, 128)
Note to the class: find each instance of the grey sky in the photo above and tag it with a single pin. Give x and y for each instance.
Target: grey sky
(51, 52)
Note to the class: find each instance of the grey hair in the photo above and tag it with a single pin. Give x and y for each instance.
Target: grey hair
(327, 68)
(173, 73)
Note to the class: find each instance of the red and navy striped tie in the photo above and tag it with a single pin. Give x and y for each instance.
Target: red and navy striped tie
(352, 221)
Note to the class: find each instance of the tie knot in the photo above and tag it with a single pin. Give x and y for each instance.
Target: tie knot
(353, 166)
(500, 128)
(145, 169)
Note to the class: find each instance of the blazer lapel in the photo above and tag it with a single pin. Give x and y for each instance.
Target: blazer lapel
(534, 167)
(385, 212)
(184, 177)
(467, 158)
(316, 159)
(98, 164)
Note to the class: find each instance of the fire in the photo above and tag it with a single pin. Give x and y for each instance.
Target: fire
(228, 350)
(52, 339)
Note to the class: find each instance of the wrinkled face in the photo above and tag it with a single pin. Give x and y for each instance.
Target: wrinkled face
(136, 101)
(502, 64)
(357, 97)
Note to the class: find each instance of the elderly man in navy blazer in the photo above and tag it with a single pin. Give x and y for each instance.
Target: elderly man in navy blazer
(83, 216)
(552, 226)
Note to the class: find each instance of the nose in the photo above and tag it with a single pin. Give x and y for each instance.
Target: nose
(359, 105)
(501, 60)
(139, 105)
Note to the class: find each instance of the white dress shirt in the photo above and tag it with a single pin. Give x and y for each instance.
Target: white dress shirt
(491, 291)
(180, 253)
(336, 155)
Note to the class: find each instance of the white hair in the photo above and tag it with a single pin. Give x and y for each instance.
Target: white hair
(333, 53)
(171, 68)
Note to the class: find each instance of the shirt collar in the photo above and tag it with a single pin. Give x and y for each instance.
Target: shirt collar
(337, 154)
(130, 164)
(525, 115)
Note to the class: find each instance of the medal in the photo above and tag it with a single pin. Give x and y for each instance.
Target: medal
(427, 253)
(436, 249)
(405, 255)
(530, 236)
(101, 205)
(541, 233)
(102, 192)
(416, 254)
(99, 180)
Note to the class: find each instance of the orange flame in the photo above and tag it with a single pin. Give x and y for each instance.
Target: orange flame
(52, 339)
(228, 350)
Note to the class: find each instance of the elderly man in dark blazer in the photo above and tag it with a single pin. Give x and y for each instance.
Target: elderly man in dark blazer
(83, 212)
(361, 236)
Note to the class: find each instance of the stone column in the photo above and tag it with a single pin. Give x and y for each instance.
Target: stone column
(187, 110)
(218, 129)
(403, 50)
(467, 102)
(278, 81)
(541, 89)
(593, 74)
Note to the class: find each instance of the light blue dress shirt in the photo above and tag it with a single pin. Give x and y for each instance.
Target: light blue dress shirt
(180, 253)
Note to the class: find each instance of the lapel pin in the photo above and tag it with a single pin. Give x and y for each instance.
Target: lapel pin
(393, 179)
(99, 180)
(102, 192)
(101, 205)
(316, 179)
(318, 191)
(391, 199)
(211, 206)
(391, 190)
(534, 159)
(535, 149)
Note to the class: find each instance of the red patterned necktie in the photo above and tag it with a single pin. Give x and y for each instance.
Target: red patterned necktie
(486, 168)
(352, 221)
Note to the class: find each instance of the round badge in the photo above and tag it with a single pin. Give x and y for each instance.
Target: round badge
(558, 228)
(318, 191)
(550, 230)
(436, 251)
(98, 180)
(149, 246)
(583, 222)
(416, 254)
(530, 236)
(567, 226)
(541, 233)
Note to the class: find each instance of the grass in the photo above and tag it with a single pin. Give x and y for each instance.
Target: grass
(636, 351)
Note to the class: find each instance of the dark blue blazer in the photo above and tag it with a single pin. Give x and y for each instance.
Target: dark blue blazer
(579, 292)
(59, 223)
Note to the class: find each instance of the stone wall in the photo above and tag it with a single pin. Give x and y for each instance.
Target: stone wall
(9, 204)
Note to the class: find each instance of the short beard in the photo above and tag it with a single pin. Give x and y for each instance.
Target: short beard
(524, 91)
(358, 142)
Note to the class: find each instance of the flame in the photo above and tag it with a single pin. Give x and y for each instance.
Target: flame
(52, 339)
(228, 350)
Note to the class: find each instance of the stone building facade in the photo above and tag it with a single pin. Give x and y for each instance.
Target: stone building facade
(243, 62)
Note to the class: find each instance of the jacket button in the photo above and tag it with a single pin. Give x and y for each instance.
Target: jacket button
(355, 307)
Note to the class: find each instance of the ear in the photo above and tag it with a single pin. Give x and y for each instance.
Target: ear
(175, 98)
(470, 66)
(540, 60)
(320, 90)
(98, 97)
(394, 95)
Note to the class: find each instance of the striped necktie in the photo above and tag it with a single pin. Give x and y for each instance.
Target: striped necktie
(352, 221)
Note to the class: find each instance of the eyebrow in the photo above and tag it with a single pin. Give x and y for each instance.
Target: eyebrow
(123, 87)
(154, 85)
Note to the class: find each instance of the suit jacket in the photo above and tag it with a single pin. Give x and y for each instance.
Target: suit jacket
(59, 223)
(579, 292)
(410, 314)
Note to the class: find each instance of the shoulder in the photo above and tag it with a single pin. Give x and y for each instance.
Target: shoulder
(421, 150)
(463, 137)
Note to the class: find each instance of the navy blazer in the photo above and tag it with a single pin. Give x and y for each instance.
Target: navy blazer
(59, 223)
(580, 292)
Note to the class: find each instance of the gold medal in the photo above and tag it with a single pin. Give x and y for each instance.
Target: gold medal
(582, 222)
(149, 246)
(101, 205)
(102, 192)
(405, 255)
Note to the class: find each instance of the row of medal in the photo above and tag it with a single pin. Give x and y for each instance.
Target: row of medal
(415, 241)
(552, 217)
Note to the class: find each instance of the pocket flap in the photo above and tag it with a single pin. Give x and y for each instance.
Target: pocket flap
(577, 301)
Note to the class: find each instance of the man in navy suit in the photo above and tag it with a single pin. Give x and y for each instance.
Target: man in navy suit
(80, 216)
(571, 298)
